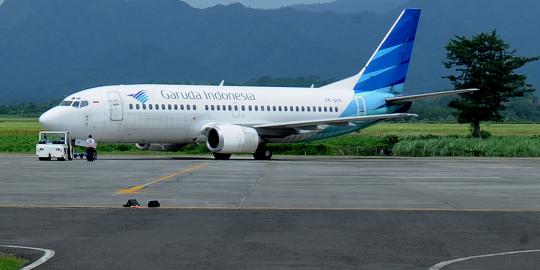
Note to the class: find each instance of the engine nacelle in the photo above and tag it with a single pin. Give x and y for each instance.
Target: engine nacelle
(232, 139)
(159, 146)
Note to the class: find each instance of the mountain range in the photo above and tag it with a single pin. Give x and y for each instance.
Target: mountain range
(50, 48)
(353, 6)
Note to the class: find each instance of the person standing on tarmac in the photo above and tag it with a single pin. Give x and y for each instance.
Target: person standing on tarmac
(91, 148)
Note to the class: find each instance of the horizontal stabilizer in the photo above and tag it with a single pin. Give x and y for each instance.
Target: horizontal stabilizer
(335, 121)
(403, 99)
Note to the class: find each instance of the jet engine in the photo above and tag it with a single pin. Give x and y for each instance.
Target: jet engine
(159, 146)
(232, 139)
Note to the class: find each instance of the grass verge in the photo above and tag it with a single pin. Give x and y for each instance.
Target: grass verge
(19, 135)
(10, 262)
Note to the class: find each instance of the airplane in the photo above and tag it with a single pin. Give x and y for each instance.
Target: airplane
(241, 119)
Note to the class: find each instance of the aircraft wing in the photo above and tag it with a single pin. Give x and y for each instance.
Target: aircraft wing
(334, 121)
(403, 99)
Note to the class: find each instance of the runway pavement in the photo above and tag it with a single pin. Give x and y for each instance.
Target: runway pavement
(295, 183)
(289, 213)
(272, 239)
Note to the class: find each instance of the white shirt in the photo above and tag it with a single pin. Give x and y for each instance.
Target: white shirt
(90, 142)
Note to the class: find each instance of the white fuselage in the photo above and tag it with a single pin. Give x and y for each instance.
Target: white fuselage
(178, 113)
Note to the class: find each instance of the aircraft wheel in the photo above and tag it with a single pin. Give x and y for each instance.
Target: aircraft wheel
(221, 156)
(61, 159)
(263, 153)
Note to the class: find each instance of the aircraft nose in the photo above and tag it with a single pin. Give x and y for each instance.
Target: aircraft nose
(51, 120)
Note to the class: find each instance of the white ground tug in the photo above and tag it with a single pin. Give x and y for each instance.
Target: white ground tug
(54, 144)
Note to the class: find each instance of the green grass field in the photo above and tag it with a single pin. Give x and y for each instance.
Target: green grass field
(19, 135)
(8, 262)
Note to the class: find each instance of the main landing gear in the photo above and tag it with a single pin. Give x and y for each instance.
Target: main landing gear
(262, 153)
(221, 156)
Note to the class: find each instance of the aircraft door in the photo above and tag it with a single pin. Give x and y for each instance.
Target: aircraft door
(361, 105)
(115, 104)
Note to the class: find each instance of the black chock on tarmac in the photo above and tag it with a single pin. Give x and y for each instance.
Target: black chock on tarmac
(132, 203)
(153, 204)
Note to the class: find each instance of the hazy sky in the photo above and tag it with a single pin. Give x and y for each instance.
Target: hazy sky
(249, 3)
(252, 3)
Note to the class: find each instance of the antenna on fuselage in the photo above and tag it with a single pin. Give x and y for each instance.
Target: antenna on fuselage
(222, 83)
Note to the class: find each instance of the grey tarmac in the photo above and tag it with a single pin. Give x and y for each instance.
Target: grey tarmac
(285, 183)
(289, 213)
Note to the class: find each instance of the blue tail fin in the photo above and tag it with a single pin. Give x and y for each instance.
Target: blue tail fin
(386, 70)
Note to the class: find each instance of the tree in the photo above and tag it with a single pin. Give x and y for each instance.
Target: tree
(486, 62)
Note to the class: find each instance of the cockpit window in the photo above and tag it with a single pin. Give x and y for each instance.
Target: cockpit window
(66, 103)
(84, 103)
(76, 104)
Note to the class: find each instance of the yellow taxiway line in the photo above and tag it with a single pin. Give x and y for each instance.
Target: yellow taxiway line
(136, 189)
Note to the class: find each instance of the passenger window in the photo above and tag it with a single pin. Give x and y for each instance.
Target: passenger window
(308, 109)
(224, 107)
(137, 106)
(250, 108)
(188, 107)
(291, 109)
(285, 108)
(176, 107)
(218, 107)
(256, 108)
(314, 109)
(76, 104)
(336, 109)
(303, 108)
(150, 107)
(325, 109)
(331, 109)
(262, 108)
(236, 107)
(297, 108)
(320, 109)
(144, 106)
(194, 107)
(230, 107)
(131, 106)
(163, 106)
(212, 107)
(157, 106)
(205, 107)
(182, 107)
(268, 108)
(274, 108)
(243, 107)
